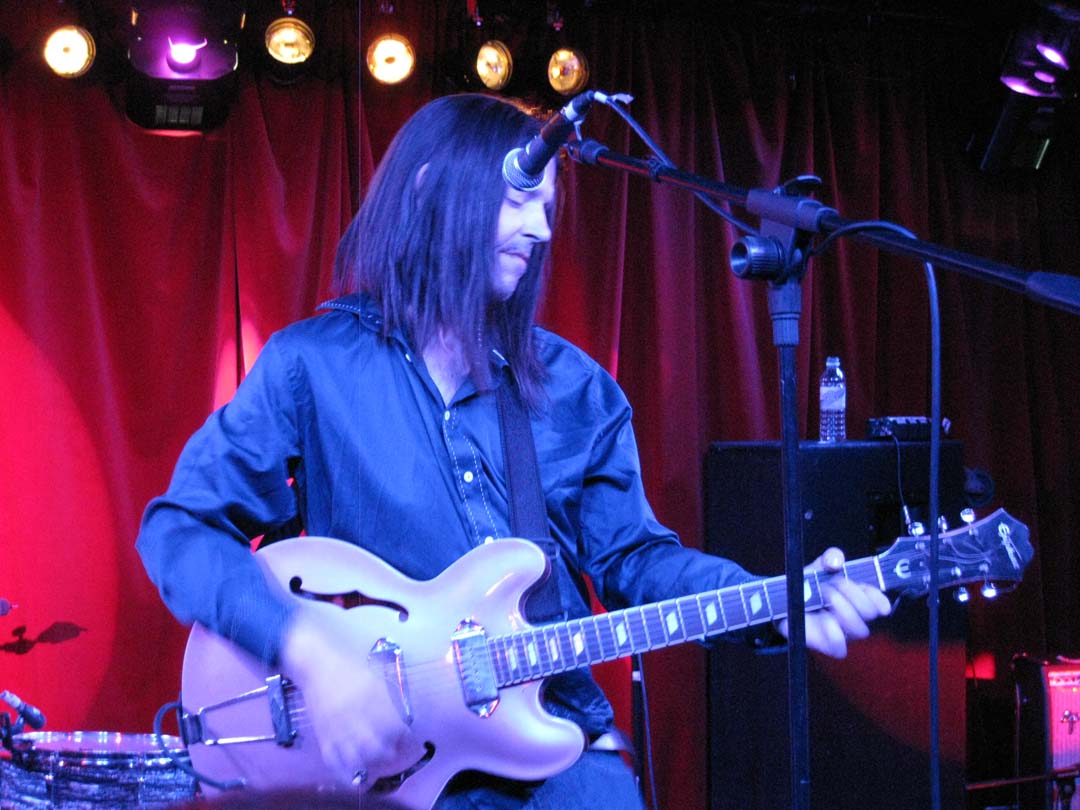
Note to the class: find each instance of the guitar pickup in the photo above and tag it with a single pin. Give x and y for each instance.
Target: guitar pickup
(475, 671)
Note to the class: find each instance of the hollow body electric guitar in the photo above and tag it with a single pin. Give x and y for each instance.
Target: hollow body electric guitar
(465, 669)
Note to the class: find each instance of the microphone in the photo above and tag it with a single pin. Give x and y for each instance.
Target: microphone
(523, 168)
(31, 714)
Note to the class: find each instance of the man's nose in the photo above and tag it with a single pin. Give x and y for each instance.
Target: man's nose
(536, 224)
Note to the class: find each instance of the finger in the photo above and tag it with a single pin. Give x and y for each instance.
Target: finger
(868, 603)
(880, 600)
(341, 757)
(867, 600)
(846, 614)
(832, 560)
(824, 634)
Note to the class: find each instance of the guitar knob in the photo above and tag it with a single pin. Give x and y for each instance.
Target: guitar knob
(961, 595)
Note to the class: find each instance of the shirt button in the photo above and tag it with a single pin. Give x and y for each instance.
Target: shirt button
(446, 416)
(408, 357)
(468, 476)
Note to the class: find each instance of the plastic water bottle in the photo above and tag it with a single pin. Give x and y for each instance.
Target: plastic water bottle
(833, 400)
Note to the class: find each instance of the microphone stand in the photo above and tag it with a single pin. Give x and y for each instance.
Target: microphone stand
(778, 255)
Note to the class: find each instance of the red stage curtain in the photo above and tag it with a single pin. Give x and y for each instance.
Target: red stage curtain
(122, 250)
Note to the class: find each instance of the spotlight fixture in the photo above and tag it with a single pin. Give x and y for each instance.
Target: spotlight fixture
(568, 72)
(183, 55)
(391, 59)
(1039, 56)
(70, 51)
(1036, 73)
(494, 65)
(290, 40)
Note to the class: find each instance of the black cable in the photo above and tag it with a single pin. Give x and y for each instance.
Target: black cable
(181, 763)
(614, 103)
(905, 513)
(648, 733)
(935, 456)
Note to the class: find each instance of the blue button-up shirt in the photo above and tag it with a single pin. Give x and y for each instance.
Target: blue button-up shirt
(341, 431)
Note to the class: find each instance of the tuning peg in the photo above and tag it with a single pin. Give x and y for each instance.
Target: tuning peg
(961, 595)
(917, 529)
(989, 590)
(942, 524)
(967, 515)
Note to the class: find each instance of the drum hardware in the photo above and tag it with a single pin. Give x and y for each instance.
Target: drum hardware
(87, 769)
(30, 715)
(25, 715)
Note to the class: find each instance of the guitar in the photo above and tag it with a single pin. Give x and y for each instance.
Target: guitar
(464, 667)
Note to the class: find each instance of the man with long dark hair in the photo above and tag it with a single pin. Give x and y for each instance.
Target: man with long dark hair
(376, 423)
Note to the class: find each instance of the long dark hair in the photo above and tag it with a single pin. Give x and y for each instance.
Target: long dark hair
(423, 245)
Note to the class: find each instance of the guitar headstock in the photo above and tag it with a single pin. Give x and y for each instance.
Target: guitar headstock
(992, 550)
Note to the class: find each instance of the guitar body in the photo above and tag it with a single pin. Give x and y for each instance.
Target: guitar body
(517, 738)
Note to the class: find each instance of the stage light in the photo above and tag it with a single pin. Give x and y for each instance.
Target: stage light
(290, 40)
(1055, 31)
(183, 55)
(391, 59)
(568, 72)
(1039, 57)
(494, 65)
(70, 51)
(1054, 54)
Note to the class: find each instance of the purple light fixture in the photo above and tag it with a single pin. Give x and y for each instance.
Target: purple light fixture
(1053, 54)
(1036, 72)
(183, 55)
(1038, 59)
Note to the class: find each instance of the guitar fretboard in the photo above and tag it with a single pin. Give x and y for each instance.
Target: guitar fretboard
(553, 648)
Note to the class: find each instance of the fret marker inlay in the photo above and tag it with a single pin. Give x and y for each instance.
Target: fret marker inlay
(672, 623)
(620, 633)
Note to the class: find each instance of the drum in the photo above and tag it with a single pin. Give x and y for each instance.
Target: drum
(91, 770)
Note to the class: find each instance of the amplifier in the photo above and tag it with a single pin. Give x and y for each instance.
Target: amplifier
(1047, 728)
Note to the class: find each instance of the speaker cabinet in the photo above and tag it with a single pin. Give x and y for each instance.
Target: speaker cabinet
(869, 719)
(1047, 730)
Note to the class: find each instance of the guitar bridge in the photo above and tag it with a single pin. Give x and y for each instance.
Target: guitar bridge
(475, 671)
(387, 655)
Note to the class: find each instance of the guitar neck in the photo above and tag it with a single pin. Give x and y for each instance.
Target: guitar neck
(540, 652)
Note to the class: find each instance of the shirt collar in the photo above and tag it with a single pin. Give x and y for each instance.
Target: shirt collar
(371, 317)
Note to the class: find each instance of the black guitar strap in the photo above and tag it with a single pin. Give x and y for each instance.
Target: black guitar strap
(528, 514)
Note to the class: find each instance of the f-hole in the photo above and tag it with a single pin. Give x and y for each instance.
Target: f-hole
(346, 600)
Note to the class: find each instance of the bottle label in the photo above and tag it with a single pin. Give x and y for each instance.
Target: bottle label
(833, 398)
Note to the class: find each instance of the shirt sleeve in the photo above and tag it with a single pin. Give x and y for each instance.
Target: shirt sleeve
(632, 558)
(231, 483)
